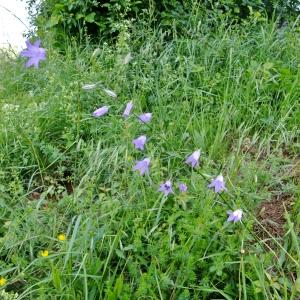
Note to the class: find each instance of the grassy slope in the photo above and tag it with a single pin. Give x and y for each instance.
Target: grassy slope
(234, 94)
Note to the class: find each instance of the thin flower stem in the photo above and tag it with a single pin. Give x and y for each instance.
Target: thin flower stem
(220, 195)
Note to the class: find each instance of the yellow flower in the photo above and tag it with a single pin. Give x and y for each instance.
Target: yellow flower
(62, 237)
(2, 281)
(44, 253)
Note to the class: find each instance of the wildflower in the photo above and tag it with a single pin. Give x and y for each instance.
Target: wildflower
(128, 109)
(145, 118)
(235, 215)
(88, 87)
(34, 53)
(142, 166)
(127, 58)
(193, 159)
(218, 184)
(182, 187)
(139, 142)
(110, 93)
(166, 188)
(44, 253)
(2, 281)
(100, 111)
(96, 52)
(62, 237)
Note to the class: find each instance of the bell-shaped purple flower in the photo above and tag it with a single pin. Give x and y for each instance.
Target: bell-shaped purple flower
(128, 109)
(101, 111)
(34, 53)
(145, 118)
(166, 188)
(193, 159)
(218, 184)
(139, 143)
(182, 187)
(142, 166)
(234, 216)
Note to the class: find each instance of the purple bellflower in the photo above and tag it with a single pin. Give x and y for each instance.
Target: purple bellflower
(100, 111)
(234, 216)
(139, 143)
(218, 184)
(193, 159)
(182, 187)
(142, 166)
(128, 109)
(166, 188)
(34, 53)
(145, 118)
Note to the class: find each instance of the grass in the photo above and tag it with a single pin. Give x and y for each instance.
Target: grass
(231, 92)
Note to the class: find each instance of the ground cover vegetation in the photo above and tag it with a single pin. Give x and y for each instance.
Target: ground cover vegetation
(124, 161)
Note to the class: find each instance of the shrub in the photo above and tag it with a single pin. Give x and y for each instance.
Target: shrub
(106, 18)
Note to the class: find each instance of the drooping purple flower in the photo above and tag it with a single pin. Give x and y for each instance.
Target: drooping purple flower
(145, 118)
(193, 159)
(218, 184)
(128, 109)
(142, 166)
(139, 142)
(182, 187)
(166, 188)
(235, 216)
(100, 111)
(34, 53)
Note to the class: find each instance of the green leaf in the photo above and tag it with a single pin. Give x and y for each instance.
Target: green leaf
(56, 278)
(54, 20)
(120, 253)
(297, 284)
(90, 17)
(79, 16)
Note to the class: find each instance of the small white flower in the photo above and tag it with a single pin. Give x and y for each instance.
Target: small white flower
(96, 52)
(88, 87)
(127, 59)
(110, 93)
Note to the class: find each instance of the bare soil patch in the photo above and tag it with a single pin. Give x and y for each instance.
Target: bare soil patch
(271, 215)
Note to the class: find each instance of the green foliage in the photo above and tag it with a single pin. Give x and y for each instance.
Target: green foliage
(233, 92)
(105, 19)
(241, 9)
(8, 296)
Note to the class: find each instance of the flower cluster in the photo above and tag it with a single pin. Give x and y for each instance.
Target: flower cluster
(143, 165)
(35, 54)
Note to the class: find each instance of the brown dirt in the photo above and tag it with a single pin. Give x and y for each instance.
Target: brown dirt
(271, 214)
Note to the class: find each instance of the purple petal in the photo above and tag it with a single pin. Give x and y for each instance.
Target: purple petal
(139, 142)
(25, 53)
(37, 43)
(193, 159)
(166, 188)
(30, 62)
(145, 118)
(128, 109)
(101, 111)
(230, 218)
(235, 216)
(28, 44)
(142, 166)
(182, 187)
